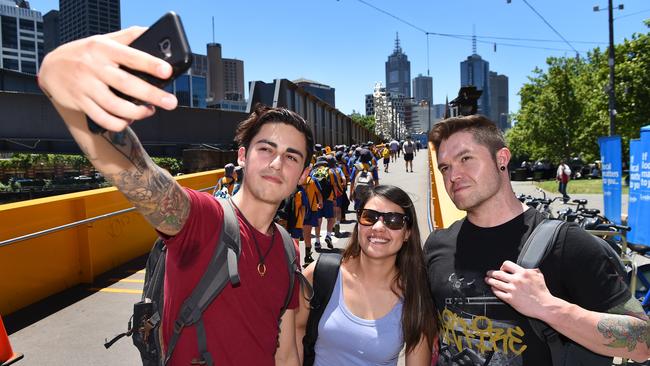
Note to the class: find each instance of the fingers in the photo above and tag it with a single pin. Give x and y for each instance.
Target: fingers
(103, 118)
(511, 267)
(137, 88)
(120, 54)
(127, 35)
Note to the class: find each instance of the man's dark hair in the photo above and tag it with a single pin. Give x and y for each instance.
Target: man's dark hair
(484, 131)
(262, 115)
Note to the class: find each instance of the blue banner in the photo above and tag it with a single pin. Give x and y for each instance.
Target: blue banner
(610, 155)
(634, 203)
(642, 230)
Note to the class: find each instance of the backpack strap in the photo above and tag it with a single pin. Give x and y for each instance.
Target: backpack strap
(221, 269)
(325, 274)
(537, 247)
(539, 243)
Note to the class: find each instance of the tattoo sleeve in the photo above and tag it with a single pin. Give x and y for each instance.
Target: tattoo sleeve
(625, 326)
(150, 188)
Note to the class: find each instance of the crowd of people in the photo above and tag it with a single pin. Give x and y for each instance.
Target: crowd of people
(336, 178)
(461, 296)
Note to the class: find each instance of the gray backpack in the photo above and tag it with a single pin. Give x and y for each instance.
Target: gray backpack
(537, 247)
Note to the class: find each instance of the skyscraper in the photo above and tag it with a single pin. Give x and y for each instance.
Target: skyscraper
(499, 100)
(21, 44)
(398, 72)
(474, 71)
(51, 38)
(423, 89)
(84, 18)
(225, 80)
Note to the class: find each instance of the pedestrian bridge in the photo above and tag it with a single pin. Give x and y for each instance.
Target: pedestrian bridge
(71, 265)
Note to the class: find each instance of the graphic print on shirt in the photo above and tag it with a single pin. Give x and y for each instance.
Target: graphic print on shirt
(473, 332)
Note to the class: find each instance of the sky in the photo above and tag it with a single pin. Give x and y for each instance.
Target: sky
(345, 43)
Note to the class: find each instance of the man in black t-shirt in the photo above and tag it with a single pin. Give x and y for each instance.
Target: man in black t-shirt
(484, 297)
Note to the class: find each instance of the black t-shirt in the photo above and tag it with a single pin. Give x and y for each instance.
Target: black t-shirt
(479, 329)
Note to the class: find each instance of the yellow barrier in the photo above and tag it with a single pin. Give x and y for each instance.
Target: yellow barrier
(33, 269)
(443, 209)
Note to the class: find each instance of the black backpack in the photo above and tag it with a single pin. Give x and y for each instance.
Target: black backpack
(286, 213)
(537, 247)
(325, 274)
(321, 176)
(144, 325)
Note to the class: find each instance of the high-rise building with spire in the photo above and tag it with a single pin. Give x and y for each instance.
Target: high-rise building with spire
(398, 72)
(475, 72)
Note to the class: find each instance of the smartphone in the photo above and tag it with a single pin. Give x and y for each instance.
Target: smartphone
(166, 40)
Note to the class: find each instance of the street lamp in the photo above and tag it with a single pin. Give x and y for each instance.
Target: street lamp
(612, 95)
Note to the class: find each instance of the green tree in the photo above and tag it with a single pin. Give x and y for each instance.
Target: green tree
(367, 122)
(564, 109)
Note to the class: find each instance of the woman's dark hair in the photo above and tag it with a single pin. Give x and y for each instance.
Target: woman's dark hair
(262, 115)
(484, 131)
(419, 316)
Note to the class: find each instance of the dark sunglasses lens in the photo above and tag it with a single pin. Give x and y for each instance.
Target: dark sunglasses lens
(368, 217)
(394, 221)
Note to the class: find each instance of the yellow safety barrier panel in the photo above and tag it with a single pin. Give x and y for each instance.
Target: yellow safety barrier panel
(32, 269)
(443, 209)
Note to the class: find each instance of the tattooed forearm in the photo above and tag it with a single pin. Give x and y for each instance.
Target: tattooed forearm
(624, 332)
(156, 195)
(150, 188)
(127, 144)
(626, 326)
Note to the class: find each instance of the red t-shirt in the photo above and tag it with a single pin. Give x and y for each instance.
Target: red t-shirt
(241, 324)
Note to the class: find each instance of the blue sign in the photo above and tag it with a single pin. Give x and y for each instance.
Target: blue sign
(634, 197)
(610, 155)
(642, 230)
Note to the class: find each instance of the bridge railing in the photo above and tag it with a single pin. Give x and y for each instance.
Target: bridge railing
(51, 244)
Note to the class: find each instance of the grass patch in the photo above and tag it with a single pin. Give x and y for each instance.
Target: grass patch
(579, 186)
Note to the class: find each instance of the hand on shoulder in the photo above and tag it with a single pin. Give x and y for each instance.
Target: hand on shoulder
(77, 77)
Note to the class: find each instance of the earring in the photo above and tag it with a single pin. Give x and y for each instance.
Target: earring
(502, 168)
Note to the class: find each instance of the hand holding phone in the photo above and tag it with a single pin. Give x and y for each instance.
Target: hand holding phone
(166, 40)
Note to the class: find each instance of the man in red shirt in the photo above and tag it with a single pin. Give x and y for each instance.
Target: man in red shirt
(241, 324)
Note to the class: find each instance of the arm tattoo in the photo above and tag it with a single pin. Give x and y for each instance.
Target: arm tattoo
(626, 325)
(150, 188)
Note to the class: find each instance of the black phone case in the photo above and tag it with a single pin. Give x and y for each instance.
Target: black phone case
(166, 40)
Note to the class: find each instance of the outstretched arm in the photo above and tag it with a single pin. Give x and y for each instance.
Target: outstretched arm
(77, 78)
(623, 331)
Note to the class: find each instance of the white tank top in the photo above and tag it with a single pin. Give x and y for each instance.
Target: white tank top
(346, 339)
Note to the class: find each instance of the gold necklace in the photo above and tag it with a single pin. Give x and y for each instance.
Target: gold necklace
(261, 266)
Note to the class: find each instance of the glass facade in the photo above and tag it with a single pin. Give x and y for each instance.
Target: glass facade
(21, 46)
(190, 90)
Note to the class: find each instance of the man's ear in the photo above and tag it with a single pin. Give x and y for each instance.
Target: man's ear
(503, 156)
(241, 156)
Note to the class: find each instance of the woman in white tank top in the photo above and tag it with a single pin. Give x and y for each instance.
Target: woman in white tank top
(381, 301)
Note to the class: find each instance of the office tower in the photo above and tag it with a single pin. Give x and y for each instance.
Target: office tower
(370, 105)
(322, 91)
(499, 100)
(233, 79)
(191, 88)
(398, 72)
(21, 42)
(84, 18)
(225, 80)
(474, 72)
(423, 89)
(51, 31)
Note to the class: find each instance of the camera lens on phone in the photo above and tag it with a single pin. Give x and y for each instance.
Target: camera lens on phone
(166, 47)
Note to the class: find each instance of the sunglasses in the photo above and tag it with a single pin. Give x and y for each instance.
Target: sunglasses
(392, 220)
